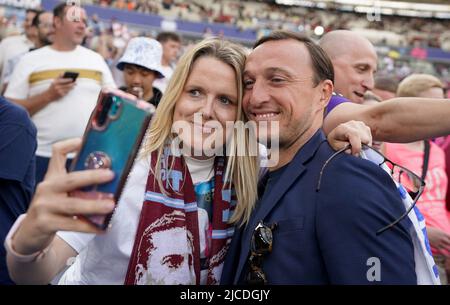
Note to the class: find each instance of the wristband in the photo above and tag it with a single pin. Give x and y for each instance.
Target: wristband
(20, 257)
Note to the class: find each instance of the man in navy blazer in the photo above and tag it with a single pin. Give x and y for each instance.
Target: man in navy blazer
(319, 237)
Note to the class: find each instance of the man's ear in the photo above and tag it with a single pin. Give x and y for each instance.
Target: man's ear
(326, 92)
(56, 21)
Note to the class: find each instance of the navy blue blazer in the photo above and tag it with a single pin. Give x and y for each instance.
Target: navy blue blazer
(328, 237)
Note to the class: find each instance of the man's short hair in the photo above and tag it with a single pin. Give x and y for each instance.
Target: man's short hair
(415, 84)
(31, 10)
(35, 21)
(60, 10)
(166, 36)
(321, 63)
(386, 83)
(139, 67)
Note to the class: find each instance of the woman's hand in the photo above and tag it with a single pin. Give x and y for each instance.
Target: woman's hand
(351, 132)
(52, 209)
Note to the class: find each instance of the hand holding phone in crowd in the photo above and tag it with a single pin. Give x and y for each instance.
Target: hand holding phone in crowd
(62, 85)
(84, 199)
(111, 141)
(52, 210)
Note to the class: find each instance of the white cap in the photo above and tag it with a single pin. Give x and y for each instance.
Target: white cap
(144, 52)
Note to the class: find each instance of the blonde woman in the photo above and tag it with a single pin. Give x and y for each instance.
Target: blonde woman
(174, 220)
(208, 83)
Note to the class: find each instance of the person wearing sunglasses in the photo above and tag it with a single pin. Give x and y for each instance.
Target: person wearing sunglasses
(300, 233)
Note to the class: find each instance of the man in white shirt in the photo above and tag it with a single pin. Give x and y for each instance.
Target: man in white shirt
(43, 23)
(60, 107)
(14, 45)
(171, 44)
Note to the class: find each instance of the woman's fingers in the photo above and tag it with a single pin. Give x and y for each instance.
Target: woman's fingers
(45, 211)
(65, 183)
(57, 164)
(71, 206)
(52, 209)
(73, 224)
(52, 198)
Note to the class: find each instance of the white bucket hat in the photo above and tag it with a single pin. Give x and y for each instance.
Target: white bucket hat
(144, 52)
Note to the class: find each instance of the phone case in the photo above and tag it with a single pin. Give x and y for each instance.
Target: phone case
(111, 140)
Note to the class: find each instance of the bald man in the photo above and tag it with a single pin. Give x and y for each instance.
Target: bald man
(399, 119)
(354, 61)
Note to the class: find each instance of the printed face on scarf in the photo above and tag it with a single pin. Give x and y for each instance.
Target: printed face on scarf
(166, 252)
(208, 101)
(169, 260)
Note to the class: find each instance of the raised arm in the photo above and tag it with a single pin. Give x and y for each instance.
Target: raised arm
(18, 88)
(52, 210)
(58, 88)
(396, 120)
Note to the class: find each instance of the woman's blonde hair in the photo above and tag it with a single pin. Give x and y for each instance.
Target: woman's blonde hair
(241, 169)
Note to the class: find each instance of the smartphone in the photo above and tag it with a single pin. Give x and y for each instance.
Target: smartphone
(111, 140)
(72, 75)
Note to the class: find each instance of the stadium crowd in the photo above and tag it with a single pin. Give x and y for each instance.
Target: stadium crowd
(109, 37)
(351, 95)
(263, 17)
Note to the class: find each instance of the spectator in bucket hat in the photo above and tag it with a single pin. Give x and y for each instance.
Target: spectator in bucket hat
(141, 65)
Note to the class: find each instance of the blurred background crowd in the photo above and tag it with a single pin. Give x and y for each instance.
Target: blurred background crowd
(410, 44)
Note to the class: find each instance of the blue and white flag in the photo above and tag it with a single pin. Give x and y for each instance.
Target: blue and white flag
(426, 269)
